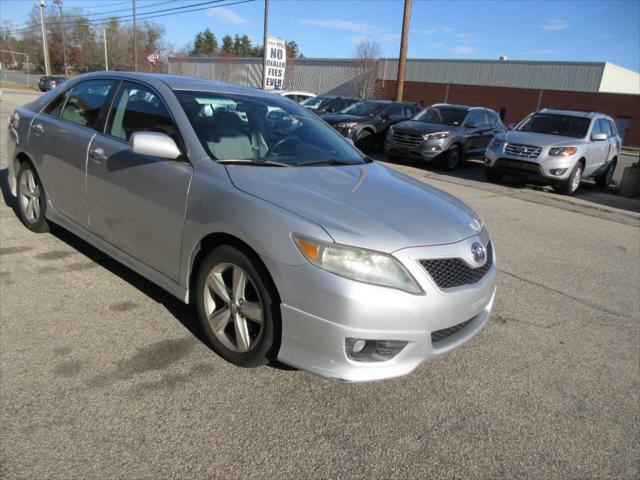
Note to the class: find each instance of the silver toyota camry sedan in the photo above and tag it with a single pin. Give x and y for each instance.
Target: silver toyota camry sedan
(292, 244)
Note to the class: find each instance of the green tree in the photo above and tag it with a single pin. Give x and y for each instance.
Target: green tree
(205, 44)
(292, 49)
(227, 45)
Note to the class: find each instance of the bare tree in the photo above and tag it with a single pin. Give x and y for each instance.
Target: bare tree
(365, 69)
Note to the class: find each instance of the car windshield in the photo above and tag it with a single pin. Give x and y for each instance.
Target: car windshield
(315, 103)
(562, 125)
(262, 129)
(365, 109)
(452, 117)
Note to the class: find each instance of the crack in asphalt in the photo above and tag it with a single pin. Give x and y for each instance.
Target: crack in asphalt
(564, 294)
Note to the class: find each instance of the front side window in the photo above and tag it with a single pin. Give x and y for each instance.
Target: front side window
(554, 124)
(138, 109)
(475, 118)
(239, 127)
(85, 102)
(55, 108)
(605, 128)
(395, 112)
(452, 117)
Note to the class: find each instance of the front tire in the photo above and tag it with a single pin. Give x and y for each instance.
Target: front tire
(32, 202)
(364, 141)
(570, 187)
(237, 308)
(605, 178)
(452, 158)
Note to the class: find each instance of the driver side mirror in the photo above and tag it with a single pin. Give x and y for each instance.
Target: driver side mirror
(154, 144)
(599, 137)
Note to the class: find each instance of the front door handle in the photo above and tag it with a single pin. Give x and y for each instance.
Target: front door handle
(98, 154)
(38, 128)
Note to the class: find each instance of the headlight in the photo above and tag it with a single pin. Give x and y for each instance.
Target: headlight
(496, 143)
(436, 136)
(562, 151)
(346, 124)
(357, 264)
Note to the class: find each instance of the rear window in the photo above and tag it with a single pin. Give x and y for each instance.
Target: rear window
(552, 124)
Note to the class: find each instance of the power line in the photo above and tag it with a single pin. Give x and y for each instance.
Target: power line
(146, 15)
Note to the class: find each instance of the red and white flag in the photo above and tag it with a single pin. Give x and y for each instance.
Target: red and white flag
(154, 57)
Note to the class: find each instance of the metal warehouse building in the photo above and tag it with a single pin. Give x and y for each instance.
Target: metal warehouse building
(512, 88)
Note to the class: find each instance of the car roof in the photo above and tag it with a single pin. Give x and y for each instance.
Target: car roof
(453, 105)
(574, 113)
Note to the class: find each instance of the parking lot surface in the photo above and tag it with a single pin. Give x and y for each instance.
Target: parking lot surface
(103, 375)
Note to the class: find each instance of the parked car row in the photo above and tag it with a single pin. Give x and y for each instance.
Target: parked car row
(559, 147)
(49, 82)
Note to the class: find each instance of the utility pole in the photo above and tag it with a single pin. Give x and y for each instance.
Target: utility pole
(402, 61)
(135, 39)
(45, 46)
(266, 34)
(64, 43)
(106, 56)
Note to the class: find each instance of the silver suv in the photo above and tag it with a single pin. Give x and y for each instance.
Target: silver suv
(444, 132)
(557, 146)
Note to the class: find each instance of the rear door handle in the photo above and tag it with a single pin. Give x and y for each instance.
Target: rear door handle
(98, 154)
(38, 128)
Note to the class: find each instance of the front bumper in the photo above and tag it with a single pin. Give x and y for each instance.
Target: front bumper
(543, 168)
(321, 310)
(426, 150)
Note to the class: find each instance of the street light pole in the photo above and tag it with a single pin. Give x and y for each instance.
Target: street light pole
(45, 46)
(135, 39)
(402, 61)
(64, 43)
(106, 56)
(265, 35)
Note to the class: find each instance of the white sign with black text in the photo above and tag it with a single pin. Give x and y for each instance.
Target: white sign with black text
(275, 64)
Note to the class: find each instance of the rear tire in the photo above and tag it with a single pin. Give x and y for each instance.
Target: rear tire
(452, 158)
(605, 178)
(237, 307)
(32, 202)
(571, 185)
(493, 175)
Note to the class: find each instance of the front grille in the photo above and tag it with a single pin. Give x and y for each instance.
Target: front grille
(407, 139)
(517, 165)
(440, 335)
(522, 151)
(454, 272)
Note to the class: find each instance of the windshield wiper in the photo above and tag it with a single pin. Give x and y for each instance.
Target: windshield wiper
(329, 161)
(253, 161)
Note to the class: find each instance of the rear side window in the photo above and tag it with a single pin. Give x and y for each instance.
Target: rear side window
(138, 109)
(85, 102)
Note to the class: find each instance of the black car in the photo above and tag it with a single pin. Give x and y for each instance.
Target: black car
(47, 83)
(367, 122)
(328, 103)
(445, 132)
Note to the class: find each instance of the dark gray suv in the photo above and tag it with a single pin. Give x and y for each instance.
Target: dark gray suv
(445, 132)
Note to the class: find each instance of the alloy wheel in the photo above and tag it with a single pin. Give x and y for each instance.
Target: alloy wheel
(575, 178)
(233, 307)
(30, 197)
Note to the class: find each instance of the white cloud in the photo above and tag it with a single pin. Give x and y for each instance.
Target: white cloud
(554, 25)
(341, 25)
(462, 49)
(227, 15)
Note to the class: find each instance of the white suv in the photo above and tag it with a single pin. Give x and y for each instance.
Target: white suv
(558, 146)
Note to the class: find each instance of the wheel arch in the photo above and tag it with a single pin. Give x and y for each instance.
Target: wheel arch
(216, 239)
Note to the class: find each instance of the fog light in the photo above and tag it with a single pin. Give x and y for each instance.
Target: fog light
(486, 161)
(558, 171)
(373, 350)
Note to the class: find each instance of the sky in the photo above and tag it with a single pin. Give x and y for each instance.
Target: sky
(576, 30)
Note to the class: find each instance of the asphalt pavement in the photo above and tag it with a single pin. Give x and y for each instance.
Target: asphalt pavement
(103, 375)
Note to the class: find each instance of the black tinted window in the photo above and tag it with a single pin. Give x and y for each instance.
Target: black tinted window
(85, 102)
(442, 116)
(138, 109)
(552, 124)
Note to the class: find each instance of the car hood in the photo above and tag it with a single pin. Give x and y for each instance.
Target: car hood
(333, 118)
(539, 139)
(420, 128)
(369, 206)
